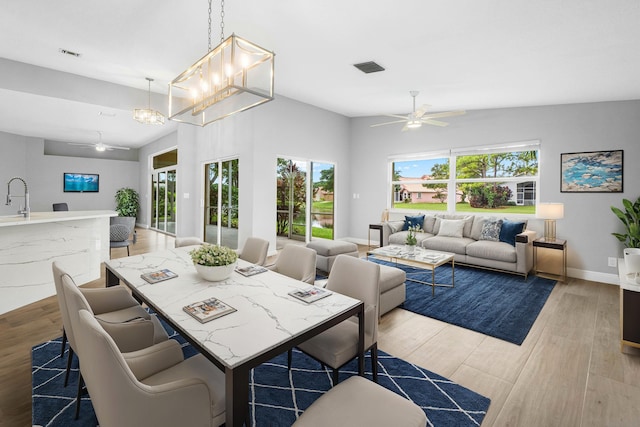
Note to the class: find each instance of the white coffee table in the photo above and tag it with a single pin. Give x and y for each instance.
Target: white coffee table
(426, 258)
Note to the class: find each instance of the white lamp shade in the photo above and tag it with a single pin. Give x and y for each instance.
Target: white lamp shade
(550, 210)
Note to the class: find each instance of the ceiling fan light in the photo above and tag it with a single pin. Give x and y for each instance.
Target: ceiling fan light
(100, 147)
(414, 124)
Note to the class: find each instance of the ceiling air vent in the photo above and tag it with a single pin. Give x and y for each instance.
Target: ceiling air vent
(68, 52)
(368, 67)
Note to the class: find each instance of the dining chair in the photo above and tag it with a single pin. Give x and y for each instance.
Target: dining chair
(113, 306)
(335, 347)
(60, 207)
(255, 251)
(155, 386)
(358, 402)
(119, 237)
(187, 241)
(297, 262)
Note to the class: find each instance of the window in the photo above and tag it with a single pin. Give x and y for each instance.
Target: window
(487, 179)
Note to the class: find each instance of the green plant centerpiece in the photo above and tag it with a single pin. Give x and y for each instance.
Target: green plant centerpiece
(213, 262)
(630, 217)
(127, 202)
(411, 236)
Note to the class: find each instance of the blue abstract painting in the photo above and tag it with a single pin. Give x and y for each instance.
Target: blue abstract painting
(595, 171)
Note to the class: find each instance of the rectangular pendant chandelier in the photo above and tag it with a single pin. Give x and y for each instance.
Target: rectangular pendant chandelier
(233, 77)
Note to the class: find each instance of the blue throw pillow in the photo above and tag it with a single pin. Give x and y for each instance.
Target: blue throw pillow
(412, 221)
(509, 231)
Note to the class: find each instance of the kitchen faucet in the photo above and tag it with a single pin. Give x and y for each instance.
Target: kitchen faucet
(26, 212)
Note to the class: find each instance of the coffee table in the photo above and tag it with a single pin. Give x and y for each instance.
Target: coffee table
(426, 258)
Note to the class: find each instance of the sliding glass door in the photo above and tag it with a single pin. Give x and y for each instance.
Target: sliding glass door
(221, 203)
(163, 192)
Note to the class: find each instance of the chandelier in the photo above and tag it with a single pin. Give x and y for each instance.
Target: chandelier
(148, 116)
(234, 76)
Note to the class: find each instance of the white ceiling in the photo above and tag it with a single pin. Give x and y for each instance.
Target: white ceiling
(460, 54)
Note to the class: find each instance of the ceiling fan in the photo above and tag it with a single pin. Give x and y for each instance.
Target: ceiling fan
(417, 118)
(99, 146)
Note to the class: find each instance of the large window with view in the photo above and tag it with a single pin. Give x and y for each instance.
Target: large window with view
(490, 179)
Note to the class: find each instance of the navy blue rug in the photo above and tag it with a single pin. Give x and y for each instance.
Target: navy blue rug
(501, 305)
(277, 396)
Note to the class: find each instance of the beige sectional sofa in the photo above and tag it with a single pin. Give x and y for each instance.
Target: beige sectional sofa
(472, 238)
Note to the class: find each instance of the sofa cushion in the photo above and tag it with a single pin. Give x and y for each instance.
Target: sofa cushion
(429, 223)
(478, 223)
(395, 226)
(413, 221)
(509, 230)
(451, 228)
(468, 223)
(456, 245)
(332, 247)
(491, 230)
(498, 251)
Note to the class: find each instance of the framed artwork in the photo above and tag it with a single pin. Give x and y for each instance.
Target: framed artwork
(591, 172)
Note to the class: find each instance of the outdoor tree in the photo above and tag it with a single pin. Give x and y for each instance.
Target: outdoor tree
(289, 193)
(439, 171)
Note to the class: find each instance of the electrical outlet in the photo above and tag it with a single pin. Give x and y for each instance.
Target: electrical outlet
(613, 261)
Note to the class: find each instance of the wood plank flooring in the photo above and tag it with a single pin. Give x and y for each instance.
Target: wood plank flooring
(568, 372)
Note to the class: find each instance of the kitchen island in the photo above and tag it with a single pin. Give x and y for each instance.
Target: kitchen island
(79, 240)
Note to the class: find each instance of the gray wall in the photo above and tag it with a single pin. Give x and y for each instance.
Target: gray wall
(24, 157)
(588, 221)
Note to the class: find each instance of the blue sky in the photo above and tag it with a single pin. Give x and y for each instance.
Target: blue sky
(416, 168)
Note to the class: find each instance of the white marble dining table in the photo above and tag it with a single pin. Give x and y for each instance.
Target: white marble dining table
(267, 320)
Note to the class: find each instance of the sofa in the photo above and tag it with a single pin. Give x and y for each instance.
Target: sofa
(476, 240)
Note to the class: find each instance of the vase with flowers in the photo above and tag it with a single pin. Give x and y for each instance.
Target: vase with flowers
(411, 239)
(213, 262)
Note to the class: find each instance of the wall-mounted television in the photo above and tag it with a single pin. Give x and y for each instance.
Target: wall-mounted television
(81, 182)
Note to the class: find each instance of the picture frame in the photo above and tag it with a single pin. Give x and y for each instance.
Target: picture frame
(592, 172)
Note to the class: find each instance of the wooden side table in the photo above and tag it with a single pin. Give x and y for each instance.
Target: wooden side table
(556, 244)
(375, 227)
(629, 309)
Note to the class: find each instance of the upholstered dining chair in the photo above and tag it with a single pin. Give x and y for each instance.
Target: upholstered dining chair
(113, 306)
(119, 237)
(60, 207)
(255, 251)
(187, 241)
(297, 262)
(155, 386)
(358, 402)
(359, 279)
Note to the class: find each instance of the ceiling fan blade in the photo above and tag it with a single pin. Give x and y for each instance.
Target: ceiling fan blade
(434, 122)
(445, 114)
(397, 116)
(423, 109)
(115, 147)
(388, 123)
(405, 127)
(81, 144)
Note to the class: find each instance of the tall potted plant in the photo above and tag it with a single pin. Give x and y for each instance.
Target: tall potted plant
(630, 217)
(127, 206)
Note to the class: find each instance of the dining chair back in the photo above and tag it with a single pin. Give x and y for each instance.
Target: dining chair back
(255, 251)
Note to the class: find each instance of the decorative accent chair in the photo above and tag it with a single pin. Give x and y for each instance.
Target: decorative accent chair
(119, 237)
(296, 262)
(255, 251)
(60, 207)
(358, 402)
(359, 279)
(187, 241)
(155, 386)
(113, 306)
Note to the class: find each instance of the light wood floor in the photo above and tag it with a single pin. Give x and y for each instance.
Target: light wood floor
(568, 372)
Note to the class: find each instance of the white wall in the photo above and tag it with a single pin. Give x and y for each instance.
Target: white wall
(24, 157)
(588, 221)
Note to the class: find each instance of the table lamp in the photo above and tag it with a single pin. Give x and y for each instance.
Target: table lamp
(550, 212)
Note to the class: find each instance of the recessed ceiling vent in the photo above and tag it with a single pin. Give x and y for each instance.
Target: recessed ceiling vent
(368, 67)
(68, 52)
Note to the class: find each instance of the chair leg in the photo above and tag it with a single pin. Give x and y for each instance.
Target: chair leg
(128, 251)
(374, 361)
(79, 394)
(289, 358)
(64, 342)
(69, 359)
(334, 377)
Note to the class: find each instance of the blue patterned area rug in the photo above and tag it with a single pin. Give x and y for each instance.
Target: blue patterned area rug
(501, 305)
(277, 396)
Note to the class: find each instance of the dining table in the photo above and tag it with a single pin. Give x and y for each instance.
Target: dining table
(267, 321)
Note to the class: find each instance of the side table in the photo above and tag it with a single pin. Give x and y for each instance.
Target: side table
(375, 227)
(555, 244)
(629, 313)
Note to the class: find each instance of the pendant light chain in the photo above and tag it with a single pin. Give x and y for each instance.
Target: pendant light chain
(209, 27)
(221, 21)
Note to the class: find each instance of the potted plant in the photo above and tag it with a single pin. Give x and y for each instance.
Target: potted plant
(127, 206)
(213, 262)
(411, 240)
(630, 217)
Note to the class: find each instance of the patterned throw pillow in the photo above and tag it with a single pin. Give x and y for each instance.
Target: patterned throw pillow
(491, 230)
(413, 221)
